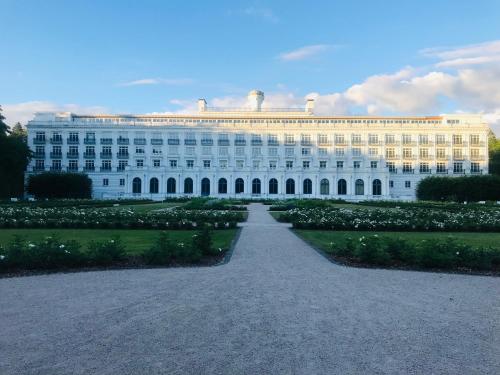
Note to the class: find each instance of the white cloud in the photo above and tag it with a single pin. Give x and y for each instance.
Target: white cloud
(263, 13)
(159, 81)
(472, 54)
(23, 112)
(304, 52)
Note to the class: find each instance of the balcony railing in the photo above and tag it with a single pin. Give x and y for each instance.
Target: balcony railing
(38, 141)
(409, 144)
(56, 155)
(173, 142)
(273, 143)
(122, 141)
(190, 142)
(240, 142)
(106, 141)
(72, 169)
(157, 141)
(55, 169)
(442, 171)
(72, 155)
(256, 142)
(424, 171)
(89, 168)
(305, 143)
(122, 155)
(39, 155)
(223, 142)
(290, 143)
(89, 141)
(477, 157)
(207, 142)
(477, 171)
(105, 169)
(106, 155)
(408, 171)
(139, 141)
(72, 141)
(89, 155)
(56, 141)
(38, 168)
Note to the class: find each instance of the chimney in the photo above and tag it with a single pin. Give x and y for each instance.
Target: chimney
(310, 105)
(202, 105)
(255, 99)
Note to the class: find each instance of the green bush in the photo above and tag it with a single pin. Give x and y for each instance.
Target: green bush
(163, 252)
(202, 241)
(107, 252)
(459, 189)
(60, 185)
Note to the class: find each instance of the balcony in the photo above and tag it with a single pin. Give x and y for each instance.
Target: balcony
(409, 157)
(106, 155)
(55, 169)
(39, 155)
(56, 141)
(460, 144)
(106, 141)
(240, 142)
(122, 141)
(391, 143)
(426, 157)
(39, 141)
(89, 141)
(122, 155)
(358, 143)
(72, 141)
(392, 157)
(442, 144)
(477, 157)
(256, 142)
(459, 157)
(56, 155)
(89, 168)
(374, 143)
(442, 157)
(305, 143)
(173, 142)
(207, 142)
(38, 168)
(458, 171)
(89, 155)
(223, 142)
(340, 142)
(190, 142)
(409, 144)
(425, 171)
(120, 169)
(156, 141)
(408, 171)
(72, 155)
(290, 143)
(324, 143)
(477, 144)
(72, 169)
(442, 171)
(105, 169)
(273, 143)
(139, 141)
(480, 171)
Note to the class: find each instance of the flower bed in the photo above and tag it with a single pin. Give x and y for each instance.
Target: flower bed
(414, 219)
(26, 217)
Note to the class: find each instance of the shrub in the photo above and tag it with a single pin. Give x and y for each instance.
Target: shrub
(202, 241)
(107, 252)
(459, 189)
(60, 185)
(162, 252)
(371, 250)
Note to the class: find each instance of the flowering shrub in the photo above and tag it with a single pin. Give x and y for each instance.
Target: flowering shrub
(27, 217)
(443, 254)
(397, 219)
(107, 252)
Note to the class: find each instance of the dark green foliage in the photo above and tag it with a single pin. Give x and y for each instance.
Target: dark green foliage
(60, 185)
(106, 253)
(203, 241)
(460, 189)
(163, 252)
(494, 154)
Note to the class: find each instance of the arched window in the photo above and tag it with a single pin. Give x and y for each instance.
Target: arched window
(153, 185)
(188, 186)
(324, 187)
(239, 186)
(290, 186)
(307, 186)
(377, 187)
(205, 186)
(137, 186)
(359, 187)
(171, 185)
(222, 186)
(255, 186)
(273, 186)
(341, 187)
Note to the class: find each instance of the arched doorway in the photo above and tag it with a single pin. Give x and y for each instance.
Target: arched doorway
(307, 186)
(188, 186)
(273, 186)
(222, 186)
(255, 186)
(136, 185)
(324, 187)
(342, 187)
(171, 185)
(359, 187)
(377, 187)
(239, 186)
(153, 185)
(290, 186)
(205, 187)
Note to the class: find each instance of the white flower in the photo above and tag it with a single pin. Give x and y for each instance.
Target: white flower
(458, 253)
(61, 246)
(2, 257)
(31, 245)
(111, 241)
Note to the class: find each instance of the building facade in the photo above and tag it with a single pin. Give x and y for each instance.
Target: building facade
(255, 152)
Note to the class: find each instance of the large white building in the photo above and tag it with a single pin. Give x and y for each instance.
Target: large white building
(258, 152)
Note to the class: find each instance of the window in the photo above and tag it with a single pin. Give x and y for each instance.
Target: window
(440, 139)
(123, 150)
(240, 139)
(324, 187)
(256, 152)
(475, 168)
(339, 139)
(322, 164)
(240, 151)
(457, 153)
(307, 186)
(173, 163)
(340, 165)
(205, 187)
(390, 139)
(56, 165)
(306, 164)
(206, 150)
(222, 186)
(407, 139)
(390, 153)
(458, 168)
(289, 164)
(457, 139)
(391, 184)
(306, 151)
(441, 153)
(239, 186)
(289, 139)
(424, 168)
(272, 164)
(391, 166)
(255, 186)
(290, 186)
(322, 151)
(424, 153)
(39, 164)
(223, 164)
(139, 150)
(474, 139)
(189, 151)
(356, 151)
(407, 184)
(189, 164)
(153, 186)
(322, 139)
(372, 139)
(188, 186)
(73, 137)
(139, 163)
(373, 165)
(356, 164)
(223, 151)
(305, 139)
(407, 153)
(423, 139)
(89, 165)
(122, 182)
(341, 187)
(256, 164)
(272, 139)
(273, 151)
(407, 168)
(206, 164)
(73, 165)
(105, 150)
(273, 186)
(441, 168)
(359, 187)
(240, 164)
(377, 187)
(372, 151)
(156, 163)
(289, 151)
(356, 139)
(136, 185)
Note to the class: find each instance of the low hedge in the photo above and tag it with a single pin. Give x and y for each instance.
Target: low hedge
(459, 189)
(60, 185)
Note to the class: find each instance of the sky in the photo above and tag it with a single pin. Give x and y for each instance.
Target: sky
(354, 57)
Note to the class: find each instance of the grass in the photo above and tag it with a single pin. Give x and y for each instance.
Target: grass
(147, 207)
(276, 214)
(136, 241)
(323, 238)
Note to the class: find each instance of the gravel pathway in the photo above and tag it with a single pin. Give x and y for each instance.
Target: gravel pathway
(277, 307)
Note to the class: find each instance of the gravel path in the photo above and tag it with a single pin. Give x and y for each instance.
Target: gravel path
(277, 307)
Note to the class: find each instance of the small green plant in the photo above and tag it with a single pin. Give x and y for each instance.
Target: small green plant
(107, 252)
(163, 252)
(202, 241)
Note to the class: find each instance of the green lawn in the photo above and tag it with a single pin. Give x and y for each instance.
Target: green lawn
(146, 207)
(276, 214)
(323, 238)
(135, 241)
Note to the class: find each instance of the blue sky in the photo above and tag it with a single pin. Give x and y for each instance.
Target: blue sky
(160, 56)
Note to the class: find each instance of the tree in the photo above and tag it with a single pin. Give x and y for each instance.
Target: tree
(19, 131)
(494, 154)
(14, 158)
(60, 185)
